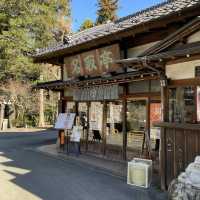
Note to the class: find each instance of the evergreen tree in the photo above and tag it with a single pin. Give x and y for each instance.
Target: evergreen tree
(86, 24)
(106, 11)
(24, 26)
(63, 18)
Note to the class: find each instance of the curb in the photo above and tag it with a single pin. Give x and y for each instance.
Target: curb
(81, 163)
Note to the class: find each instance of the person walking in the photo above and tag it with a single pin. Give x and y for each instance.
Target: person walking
(76, 136)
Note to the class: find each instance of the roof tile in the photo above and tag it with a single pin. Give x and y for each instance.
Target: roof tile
(160, 10)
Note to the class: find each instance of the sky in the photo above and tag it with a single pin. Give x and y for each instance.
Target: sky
(86, 9)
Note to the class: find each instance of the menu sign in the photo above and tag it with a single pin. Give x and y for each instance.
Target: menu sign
(106, 92)
(65, 121)
(93, 62)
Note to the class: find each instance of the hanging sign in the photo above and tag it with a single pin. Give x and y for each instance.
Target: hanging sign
(65, 121)
(108, 92)
(93, 62)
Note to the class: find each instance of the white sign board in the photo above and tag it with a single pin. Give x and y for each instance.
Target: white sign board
(65, 121)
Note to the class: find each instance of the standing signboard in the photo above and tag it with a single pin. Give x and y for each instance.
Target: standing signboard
(65, 121)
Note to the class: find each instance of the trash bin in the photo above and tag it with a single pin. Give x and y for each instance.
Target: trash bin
(139, 172)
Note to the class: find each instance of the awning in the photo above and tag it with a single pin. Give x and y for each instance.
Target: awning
(183, 51)
(59, 85)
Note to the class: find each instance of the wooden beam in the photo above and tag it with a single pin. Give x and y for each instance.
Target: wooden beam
(162, 151)
(185, 59)
(184, 82)
(88, 125)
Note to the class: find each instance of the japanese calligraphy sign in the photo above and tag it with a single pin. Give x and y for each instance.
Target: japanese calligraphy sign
(99, 93)
(90, 63)
(93, 62)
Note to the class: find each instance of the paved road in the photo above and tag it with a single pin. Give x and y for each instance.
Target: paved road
(26, 174)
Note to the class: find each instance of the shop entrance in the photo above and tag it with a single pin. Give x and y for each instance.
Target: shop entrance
(95, 136)
(142, 136)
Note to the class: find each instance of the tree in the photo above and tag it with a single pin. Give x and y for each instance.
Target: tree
(86, 24)
(106, 11)
(64, 19)
(26, 25)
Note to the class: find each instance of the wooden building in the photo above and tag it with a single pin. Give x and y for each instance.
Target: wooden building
(132, 78)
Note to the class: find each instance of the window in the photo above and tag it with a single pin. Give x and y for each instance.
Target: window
(114, 133)
(182, 104)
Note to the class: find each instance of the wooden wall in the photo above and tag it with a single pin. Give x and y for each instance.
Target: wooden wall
(180, 143)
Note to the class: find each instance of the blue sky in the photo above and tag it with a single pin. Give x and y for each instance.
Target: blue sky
(84, 9)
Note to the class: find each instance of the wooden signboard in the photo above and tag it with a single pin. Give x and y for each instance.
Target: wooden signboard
(105, 92)
(65, 121)
(93, 62)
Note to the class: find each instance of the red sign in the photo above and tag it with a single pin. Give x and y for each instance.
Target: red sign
(155, 112)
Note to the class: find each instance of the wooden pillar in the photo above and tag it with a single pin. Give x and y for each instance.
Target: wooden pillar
(88, 125)
(147, 134)
(104, 120)
(124, 122)
(76, 107)
(164, 118)
(124, 128)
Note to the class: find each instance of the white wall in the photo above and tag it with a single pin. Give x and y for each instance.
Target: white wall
(135, 51)
(184, 70)
(194, 37)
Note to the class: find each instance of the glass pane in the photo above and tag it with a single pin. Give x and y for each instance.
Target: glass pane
(70, 107)
(96, 115)
(155, 85)
(138, 87)
(155, 116)
(182, 105)
(114, 124)
(136, 121)
(82, 111)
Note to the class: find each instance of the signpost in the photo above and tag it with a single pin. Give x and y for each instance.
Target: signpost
(64, 122)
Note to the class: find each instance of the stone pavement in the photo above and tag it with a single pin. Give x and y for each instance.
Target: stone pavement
(114, 168)
(29, 173)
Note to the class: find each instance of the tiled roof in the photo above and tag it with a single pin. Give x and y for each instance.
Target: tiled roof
(147, 15)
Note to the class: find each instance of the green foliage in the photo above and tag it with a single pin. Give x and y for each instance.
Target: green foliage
(26, 25)
(86, 24)
(106, 11)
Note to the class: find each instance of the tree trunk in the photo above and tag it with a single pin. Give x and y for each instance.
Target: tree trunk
(41, 107)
